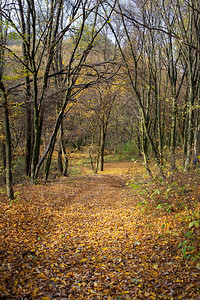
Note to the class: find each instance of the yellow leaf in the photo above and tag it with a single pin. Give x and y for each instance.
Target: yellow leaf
(198, 266)
(105, 248)
(34, 292)
(9, 267)
(155, 266)
(54, 279)
(175, 234)
(15, 282)
(45, 298)
(83, 259)
(153, 296)
(146, 294)
(70, 274)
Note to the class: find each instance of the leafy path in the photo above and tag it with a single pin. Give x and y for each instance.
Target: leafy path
(87, 238)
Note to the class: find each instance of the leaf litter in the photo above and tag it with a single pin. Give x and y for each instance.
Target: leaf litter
(94, 237)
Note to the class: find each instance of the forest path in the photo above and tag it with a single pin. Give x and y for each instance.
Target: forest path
(91, 237)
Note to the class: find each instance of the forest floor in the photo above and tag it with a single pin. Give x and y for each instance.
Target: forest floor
(99, 237)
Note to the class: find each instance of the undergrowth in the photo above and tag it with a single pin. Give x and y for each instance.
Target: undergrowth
(177, 196)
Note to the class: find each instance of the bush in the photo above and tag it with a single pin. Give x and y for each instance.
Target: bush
(129, 147)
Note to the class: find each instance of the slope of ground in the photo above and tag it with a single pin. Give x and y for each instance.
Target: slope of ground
(93, 237)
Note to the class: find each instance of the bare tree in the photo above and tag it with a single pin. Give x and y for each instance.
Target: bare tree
(5, 105)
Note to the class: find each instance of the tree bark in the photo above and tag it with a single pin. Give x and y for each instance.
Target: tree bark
(28, 154)
(25, 29)
(3, 155)
(196, 135)
(9, 180)
(59, 159)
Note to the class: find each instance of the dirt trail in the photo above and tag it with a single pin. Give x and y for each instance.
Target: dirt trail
(96, 187)
(86, 237)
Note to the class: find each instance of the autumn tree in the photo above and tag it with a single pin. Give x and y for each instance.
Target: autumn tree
(77, 63)
(5, 106)
(181, 20)
(41, 27)
(161, 65)
(189, 32)
(132, 67)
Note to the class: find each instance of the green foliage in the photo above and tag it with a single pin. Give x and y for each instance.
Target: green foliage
(163, 198)
(194, 224)
(118, 157)
(186, 249)
(129, 147)
(165, 207)
(16, 198)
(18, 168)
(2, 191)
(135, 186)
(141, 188)
(2, 171)
(75, 170)
(14, 37)
(188, 246)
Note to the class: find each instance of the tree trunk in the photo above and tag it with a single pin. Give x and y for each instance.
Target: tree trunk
(3, 155)
(59, 159)
(9, 181)
(64, 153)
(48, 163)
(189, 127)
(37, 130)
(196, 135)
(28, 154)
(66, 160)
(144, 151)
(102, 147)
(36, 146)
(51, 144)
(25, 29)
(173, 134)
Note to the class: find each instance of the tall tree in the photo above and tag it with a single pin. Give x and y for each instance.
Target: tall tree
(41, 32)
(25, 31)
(77, 61)
(4, 100)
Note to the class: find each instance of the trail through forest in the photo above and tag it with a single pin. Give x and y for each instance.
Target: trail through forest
(92, 237)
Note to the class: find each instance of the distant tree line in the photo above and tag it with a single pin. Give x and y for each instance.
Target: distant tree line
(84, 70)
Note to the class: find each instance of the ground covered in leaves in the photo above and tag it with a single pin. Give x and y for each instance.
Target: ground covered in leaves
(95, 237)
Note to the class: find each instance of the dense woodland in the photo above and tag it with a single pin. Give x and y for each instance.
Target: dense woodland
(108, 91)
(98, 74)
